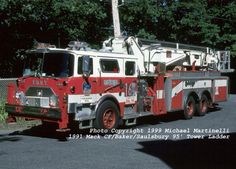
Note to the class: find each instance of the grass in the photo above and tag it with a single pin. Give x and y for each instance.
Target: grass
(3, 114)
(20, 122)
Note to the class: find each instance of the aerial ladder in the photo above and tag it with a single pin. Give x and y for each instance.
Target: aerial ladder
(175, 56)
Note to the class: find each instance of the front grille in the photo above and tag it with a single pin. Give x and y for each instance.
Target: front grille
(37, 101)
(39, 92)
(40, 97)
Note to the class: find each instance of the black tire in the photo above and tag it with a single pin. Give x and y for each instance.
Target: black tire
(189, 108)
(203, 105)
(107, 115)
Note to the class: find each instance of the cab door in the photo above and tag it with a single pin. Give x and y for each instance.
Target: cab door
(111, 77)
(130, 81)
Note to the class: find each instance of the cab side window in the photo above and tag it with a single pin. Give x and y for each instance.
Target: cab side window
(80, 62)
(129, 68)
(109, 66)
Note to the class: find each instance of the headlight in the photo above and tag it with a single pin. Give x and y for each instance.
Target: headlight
(53, 101)
(20, 97)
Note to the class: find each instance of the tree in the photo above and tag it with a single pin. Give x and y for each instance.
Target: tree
(26, 21)
(200, 22)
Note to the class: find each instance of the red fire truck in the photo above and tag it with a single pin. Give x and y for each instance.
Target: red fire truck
(125, 80)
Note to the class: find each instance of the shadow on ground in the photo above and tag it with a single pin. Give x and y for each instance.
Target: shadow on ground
(41, 131)
(4, 138)
(195, 154)
(49, 130)
(172, 116)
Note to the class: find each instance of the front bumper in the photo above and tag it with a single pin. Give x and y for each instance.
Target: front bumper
(33, 112)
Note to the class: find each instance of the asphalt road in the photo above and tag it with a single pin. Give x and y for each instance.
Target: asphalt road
(143, 146)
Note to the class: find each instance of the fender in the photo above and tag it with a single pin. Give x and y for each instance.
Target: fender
(108, 97)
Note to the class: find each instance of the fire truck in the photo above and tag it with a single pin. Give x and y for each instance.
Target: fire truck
(127, 79)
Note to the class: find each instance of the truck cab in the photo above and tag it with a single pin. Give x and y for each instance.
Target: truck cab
(63, 85)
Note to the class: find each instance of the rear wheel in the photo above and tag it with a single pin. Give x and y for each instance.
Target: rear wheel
(203, 106)
(189, 108)
(107, 116)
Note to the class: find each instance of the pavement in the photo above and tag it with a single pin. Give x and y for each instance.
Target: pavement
(165, 142)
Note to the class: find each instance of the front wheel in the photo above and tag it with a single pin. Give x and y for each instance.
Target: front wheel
(189, 108)
(107, 116)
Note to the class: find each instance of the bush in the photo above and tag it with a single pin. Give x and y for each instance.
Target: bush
(3, 114)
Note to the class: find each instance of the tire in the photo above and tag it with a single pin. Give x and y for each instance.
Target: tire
(203, 106)
(107, 116)
(189, 108)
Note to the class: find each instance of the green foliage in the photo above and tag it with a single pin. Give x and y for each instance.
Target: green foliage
(142, 33)
(78, 19)
(140, 18)
(26, 21)
(200, 22)
(3, 114)
(71, 18)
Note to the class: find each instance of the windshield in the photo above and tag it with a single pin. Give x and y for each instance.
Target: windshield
(49, 64)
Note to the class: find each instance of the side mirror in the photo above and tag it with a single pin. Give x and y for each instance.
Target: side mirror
(86, 66)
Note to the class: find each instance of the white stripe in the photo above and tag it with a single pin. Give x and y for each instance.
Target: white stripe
(177, 89)
(221, 83)
(217, 90)
(191, 84)
(160, 94)
(92, 98)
